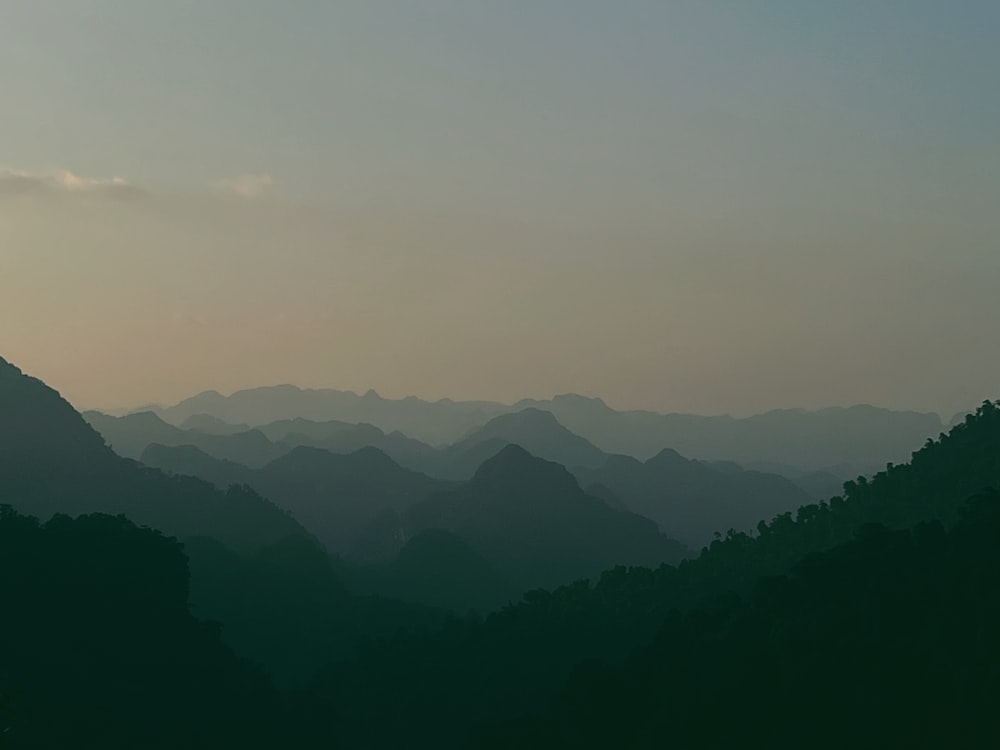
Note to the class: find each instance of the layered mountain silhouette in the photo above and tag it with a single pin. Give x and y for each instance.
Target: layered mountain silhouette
(535, 430)
(850, 441)
(883, 600)
(433, 422)
(52, 461)
(869, 614)
(336, 496)
(531, 521)
(255, 569)
(847, 441)
(404, 450)
(129, 436)
(691, 500)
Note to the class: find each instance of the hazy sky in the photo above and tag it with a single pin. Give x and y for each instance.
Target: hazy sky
(694, 206)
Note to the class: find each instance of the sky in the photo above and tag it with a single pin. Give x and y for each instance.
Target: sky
(705, 207)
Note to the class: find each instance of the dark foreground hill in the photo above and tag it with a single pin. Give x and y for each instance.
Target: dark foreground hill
(888, 640)
(98, 649)
(52, 461)
(519, 657)
(255, 569)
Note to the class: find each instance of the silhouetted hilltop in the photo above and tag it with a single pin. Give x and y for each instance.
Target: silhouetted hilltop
(335, 496)
(192, 461)
(38, 425)
(529, 518)
(52, 461)
(691, 500)
(405, 451)
(538, 432)
(130, 435)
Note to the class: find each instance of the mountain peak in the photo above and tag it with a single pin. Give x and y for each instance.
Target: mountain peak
(539, 432)
(513, 469)
(668, 457)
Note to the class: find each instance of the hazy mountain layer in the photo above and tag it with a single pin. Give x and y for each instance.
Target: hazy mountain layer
(847, 441)
(129, 436)
(530, 520)
(691, 500)
(434, 422)
(336, 496)
(537, 431)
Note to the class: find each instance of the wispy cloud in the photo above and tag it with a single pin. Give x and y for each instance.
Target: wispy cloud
(247, 185)
(22, 182)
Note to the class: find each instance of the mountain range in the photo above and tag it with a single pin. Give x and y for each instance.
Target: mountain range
(848, 441)
(868, 614)
(690, 500)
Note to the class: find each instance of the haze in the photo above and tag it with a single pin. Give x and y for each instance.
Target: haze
(722, 207)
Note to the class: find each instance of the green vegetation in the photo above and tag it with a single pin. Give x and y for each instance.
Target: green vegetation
(866, 620)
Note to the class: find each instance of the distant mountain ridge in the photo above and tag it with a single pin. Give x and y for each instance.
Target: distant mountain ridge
(688, 499)
(129, 436)
(857, 439)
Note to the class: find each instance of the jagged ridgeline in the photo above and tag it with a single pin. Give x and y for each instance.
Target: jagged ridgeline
(865, 620)
(513, 662)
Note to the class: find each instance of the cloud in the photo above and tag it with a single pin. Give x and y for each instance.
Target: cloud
(23, 182)
(247, 185)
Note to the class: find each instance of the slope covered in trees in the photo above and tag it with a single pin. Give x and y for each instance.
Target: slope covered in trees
(889, 640)
(98, 649)
(519, 656)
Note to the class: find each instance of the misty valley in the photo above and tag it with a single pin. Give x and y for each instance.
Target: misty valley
(284, 567)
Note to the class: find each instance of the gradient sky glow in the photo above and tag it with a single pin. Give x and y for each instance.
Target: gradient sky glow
(691, 206)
